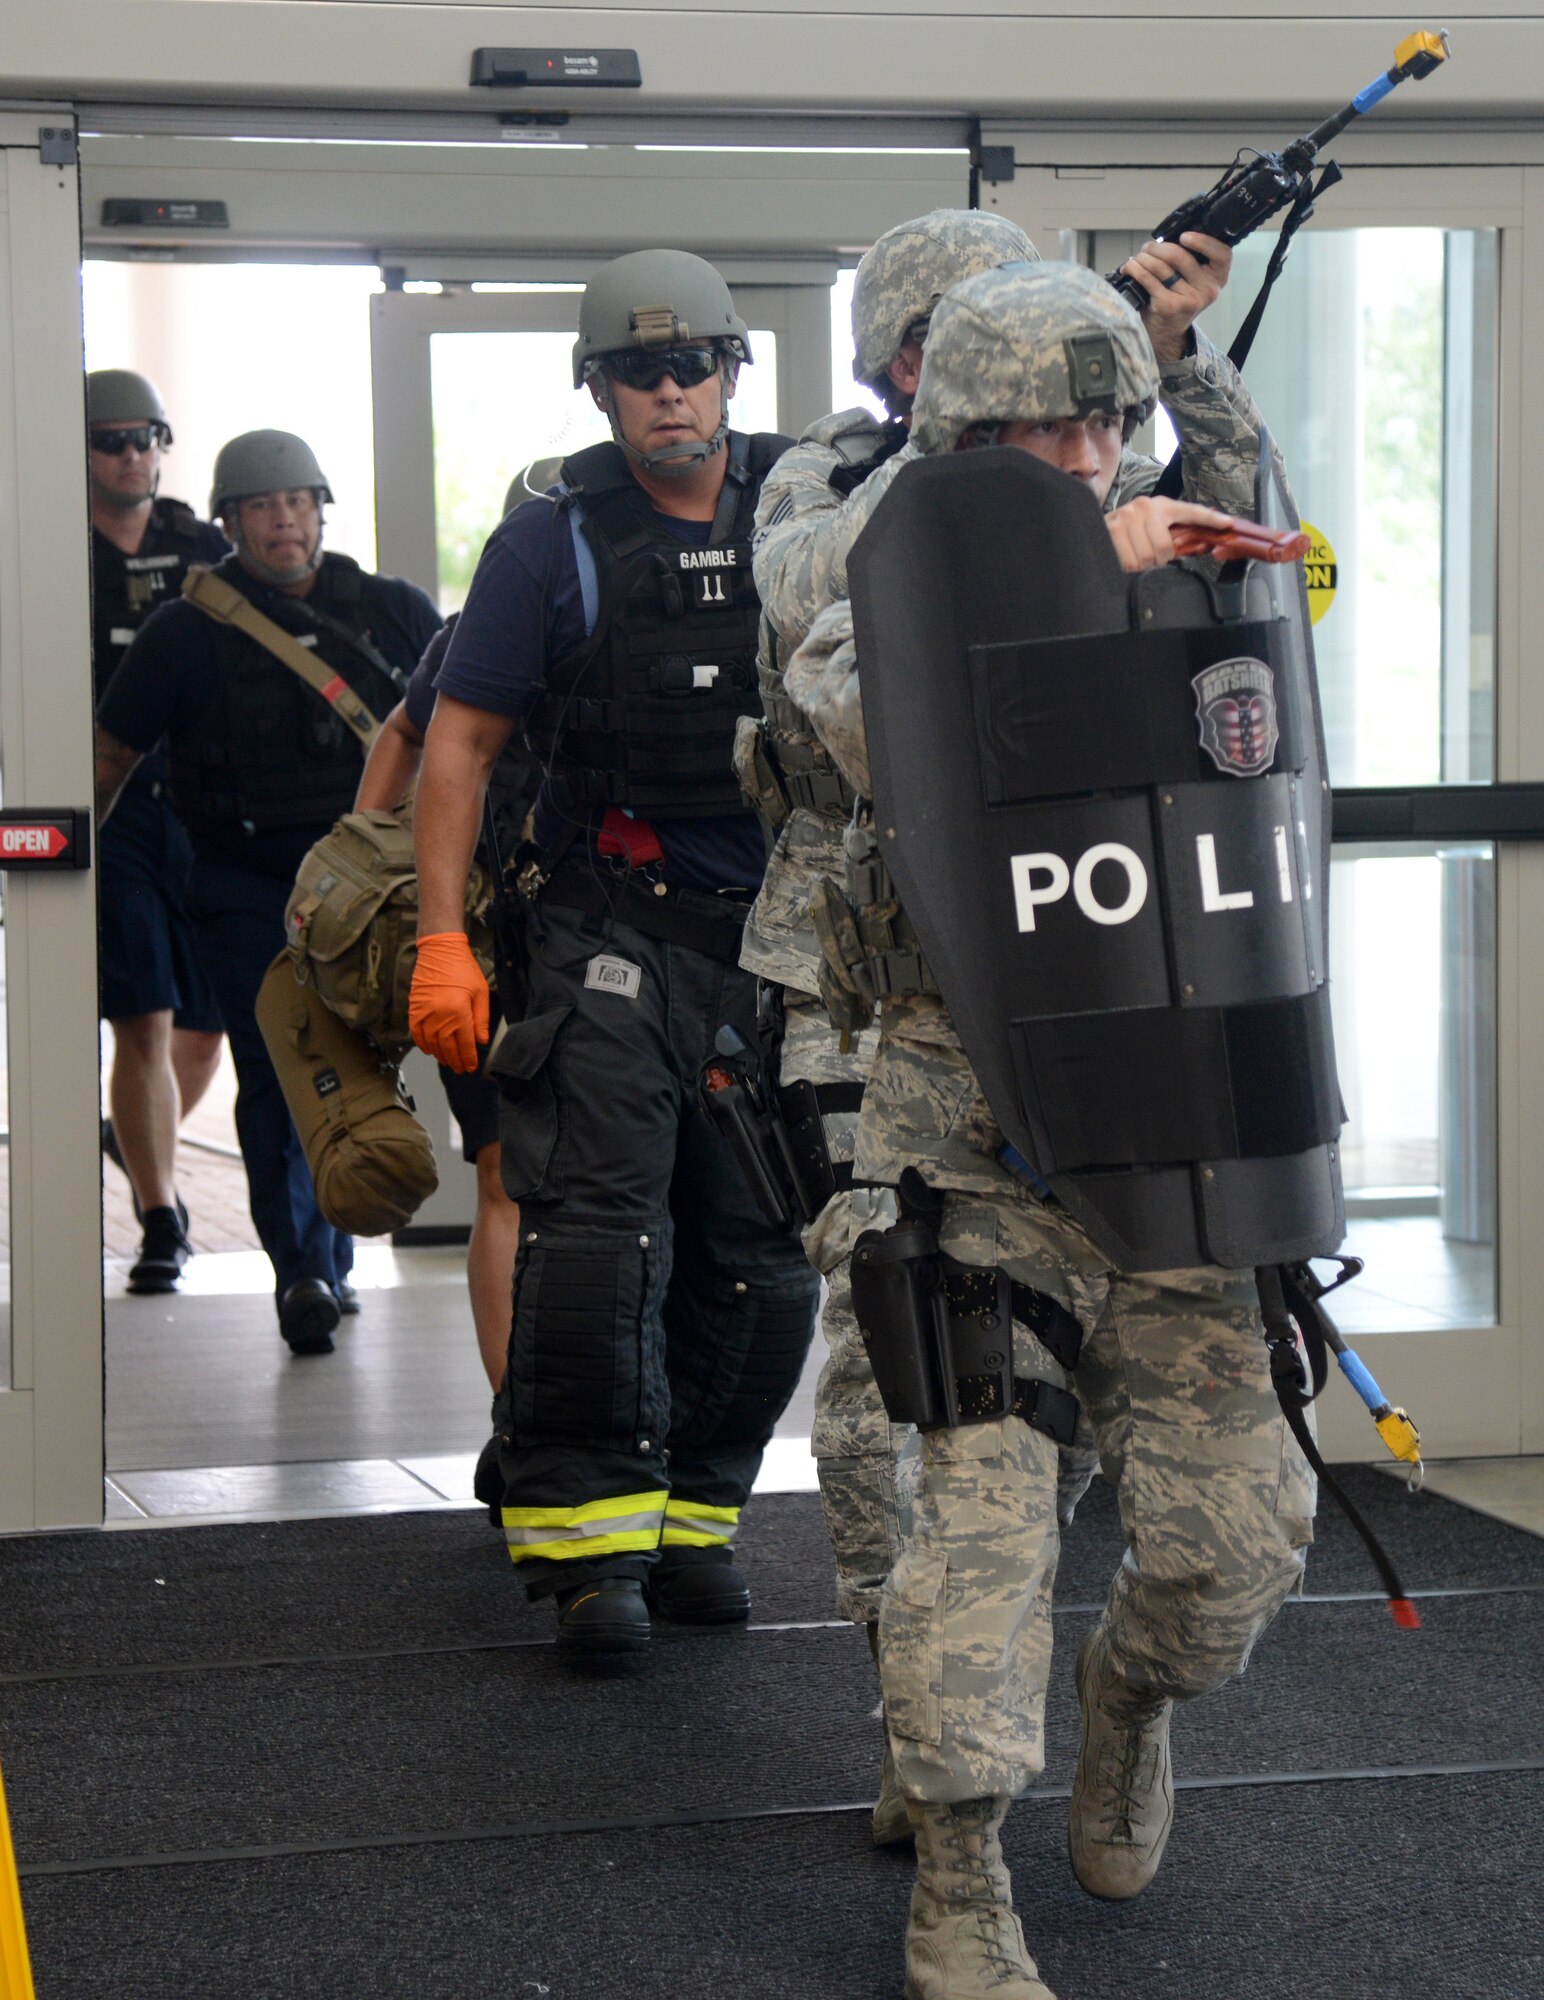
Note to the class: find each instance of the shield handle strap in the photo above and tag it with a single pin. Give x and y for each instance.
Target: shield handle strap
(1295, 1390)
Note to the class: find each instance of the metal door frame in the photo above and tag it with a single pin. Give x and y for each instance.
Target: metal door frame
(51, 1420)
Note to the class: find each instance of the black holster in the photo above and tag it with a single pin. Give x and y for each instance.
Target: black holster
(777, 1133)
(939, 1333)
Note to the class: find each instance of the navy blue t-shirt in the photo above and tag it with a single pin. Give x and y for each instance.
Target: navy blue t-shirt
(526, 607)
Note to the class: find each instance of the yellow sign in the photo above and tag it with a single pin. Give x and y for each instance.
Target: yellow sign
(15, 1968)
(1320, 572)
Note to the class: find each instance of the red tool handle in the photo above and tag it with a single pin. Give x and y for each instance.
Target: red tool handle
(1240, 541)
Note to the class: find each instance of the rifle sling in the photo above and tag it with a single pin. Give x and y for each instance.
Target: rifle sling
(226, 605)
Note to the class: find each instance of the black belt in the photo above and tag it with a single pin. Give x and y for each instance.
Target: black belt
(713, 925)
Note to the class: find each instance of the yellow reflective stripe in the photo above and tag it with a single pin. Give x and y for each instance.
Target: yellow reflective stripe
(694, 1510)
(688, 1524)
(592, 1510)
(617, 1525)
(585, 1546)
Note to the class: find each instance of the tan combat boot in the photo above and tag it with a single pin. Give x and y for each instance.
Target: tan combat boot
(963, 1941)
(1123, 1793)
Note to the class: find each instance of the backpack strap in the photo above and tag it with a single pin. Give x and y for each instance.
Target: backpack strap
(226, 605)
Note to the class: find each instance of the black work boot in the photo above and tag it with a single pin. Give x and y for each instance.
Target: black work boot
(308, 1313)
(698, 1587)
(603, 1625)
(162, 1252)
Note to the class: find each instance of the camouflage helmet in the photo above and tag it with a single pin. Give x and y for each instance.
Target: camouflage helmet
(120, 396)
(264, 462)
(1032, 342)
(655, 298)
(910, 268)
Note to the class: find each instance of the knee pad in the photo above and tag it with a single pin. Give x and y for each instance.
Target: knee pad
(585, 1347)
(736, 1347)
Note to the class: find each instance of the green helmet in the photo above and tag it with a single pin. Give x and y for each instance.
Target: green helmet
(264, 462)
(655, 298)
(532, 482)
(119, 396)
(910, 268)
(1032, 342)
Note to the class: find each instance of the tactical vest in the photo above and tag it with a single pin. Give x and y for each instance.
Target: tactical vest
(869, 948)
(784, 767)
(267, 751)
(643, 714)
(126, 589)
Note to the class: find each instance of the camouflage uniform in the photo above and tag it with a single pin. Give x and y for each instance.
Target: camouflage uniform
(1215, 1497)
(815, 503)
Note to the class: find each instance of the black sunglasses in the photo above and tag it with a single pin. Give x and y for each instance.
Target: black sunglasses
(118, 440)
(640, 369)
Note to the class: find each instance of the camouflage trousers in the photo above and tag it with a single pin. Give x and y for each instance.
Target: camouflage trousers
(867, 1466)
(1216, 1501)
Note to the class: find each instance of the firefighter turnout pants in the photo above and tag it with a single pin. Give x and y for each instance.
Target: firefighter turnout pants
(660, 1322)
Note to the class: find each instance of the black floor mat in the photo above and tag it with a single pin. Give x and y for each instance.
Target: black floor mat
(444, 1743)
(334, 1587)
(1317, 1892)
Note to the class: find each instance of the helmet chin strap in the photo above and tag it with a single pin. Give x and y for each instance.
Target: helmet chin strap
(671, 461)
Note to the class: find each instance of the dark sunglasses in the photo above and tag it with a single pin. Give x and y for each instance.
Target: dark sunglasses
(640, 369)
(117, 441)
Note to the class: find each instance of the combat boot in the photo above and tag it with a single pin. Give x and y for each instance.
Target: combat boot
(1123, 1792)
(963, 1941)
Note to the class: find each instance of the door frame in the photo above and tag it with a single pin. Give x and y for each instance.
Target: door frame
(51, 1419)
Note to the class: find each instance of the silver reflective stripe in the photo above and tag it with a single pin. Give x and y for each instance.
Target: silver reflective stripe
(700, 1524)
(579, 1531)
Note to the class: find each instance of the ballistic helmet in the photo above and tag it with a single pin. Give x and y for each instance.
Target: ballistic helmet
(1032, 342)
(911, 267)
(264, 462)
(119, 396)
(655, 298)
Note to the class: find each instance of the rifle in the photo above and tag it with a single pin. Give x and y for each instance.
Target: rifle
(1259, 185)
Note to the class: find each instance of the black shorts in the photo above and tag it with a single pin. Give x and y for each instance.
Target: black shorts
(148, 959)
(474, 1099)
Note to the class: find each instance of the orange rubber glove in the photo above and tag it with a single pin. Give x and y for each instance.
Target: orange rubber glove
(447, 1009)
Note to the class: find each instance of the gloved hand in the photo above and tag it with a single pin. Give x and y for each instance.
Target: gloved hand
(447, 1009)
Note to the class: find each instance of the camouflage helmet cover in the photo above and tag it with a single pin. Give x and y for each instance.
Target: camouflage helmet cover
(121, 396)
(910, 268)
(1031, 342)
(264, 462)
(655, 298)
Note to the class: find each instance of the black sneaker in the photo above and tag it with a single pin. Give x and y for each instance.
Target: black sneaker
(162, 1253)
(698, 1587)
(114, 1152)
(603, 1626)
(308, 1313)
(347, 1297)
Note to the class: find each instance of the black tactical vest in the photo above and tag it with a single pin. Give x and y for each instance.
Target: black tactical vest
(643, 714)
(268, 751)
(126, 589)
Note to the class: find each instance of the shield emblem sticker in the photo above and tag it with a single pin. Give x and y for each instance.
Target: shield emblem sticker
(1236, 711)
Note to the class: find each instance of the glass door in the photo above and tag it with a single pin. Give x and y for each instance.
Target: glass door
(51, 1320)
(473, 384)
(1383, 368)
